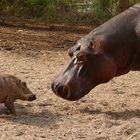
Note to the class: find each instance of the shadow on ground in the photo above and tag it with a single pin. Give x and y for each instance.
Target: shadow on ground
(28, 117)
(122, 115)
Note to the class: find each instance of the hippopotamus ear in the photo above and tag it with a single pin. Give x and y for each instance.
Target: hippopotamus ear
(99, 45)
(91, 44)
(95, 46)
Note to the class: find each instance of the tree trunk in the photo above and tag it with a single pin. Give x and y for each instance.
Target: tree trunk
(122, 5)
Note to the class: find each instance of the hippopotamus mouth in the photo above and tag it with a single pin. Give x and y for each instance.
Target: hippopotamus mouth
(71, 92)
(72, 84)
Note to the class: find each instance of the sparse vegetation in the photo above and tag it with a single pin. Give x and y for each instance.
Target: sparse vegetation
(68, 11)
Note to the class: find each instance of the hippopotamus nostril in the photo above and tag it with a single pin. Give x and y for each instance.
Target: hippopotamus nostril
(54, 86)
(59, 90)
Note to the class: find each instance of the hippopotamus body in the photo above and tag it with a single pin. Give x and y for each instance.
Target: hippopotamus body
(109, 50)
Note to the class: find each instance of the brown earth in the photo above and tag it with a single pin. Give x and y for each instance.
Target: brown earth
(108, 112)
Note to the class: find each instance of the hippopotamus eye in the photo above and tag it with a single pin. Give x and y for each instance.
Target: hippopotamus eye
(71, 51)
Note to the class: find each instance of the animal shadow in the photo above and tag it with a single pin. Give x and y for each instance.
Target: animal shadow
(122, 115)
(26, 116)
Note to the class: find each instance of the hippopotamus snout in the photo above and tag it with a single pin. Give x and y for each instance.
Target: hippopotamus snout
(60, 90)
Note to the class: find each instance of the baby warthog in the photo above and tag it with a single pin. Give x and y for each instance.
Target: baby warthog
(12, 88)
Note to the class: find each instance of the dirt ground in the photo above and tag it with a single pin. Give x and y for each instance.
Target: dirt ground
(111, 111)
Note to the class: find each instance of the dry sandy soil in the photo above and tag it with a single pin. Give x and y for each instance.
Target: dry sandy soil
(109, 112)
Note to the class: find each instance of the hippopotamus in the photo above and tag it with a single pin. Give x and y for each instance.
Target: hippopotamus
(108, 51)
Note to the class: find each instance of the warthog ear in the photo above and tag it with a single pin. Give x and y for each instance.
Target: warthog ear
(18, 83)
(24, 84)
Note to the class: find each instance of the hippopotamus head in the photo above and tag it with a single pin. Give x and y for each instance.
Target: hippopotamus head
(90, 65)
